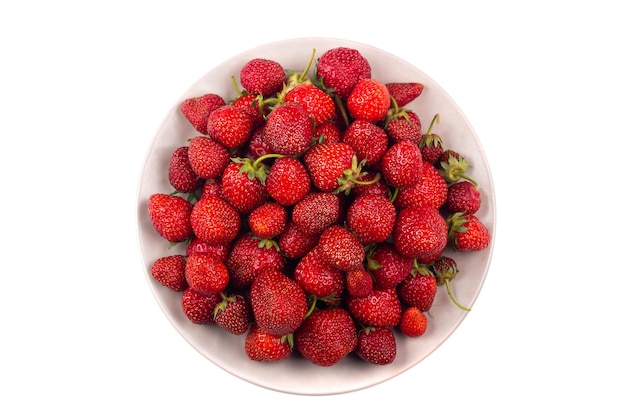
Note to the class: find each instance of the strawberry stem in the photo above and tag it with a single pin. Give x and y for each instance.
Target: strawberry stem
(447, 281)
(261, 158)
(432, 122)
(368, 182)
(304, 73)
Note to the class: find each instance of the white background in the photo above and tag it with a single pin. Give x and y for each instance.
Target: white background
(84, 87)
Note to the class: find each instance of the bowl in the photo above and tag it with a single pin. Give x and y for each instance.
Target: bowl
(296, 375)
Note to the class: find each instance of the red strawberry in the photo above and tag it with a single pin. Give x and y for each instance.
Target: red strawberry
(326, 163)
(251, 104)
(316, 211)
(262, 346)
(214, 220)
(212, 187)
(262, 76)
(368, 140)
(317, 277)
(445, 269)
(431, 144)
(170, 215)
(431, 190)
(388, 266)
(279, 304)
(359, 282)
(413, 322)
(402, 164)
(268, 220)
(199, 307)
(376, 345)
(169, 271)
(294, 243)
(206, 274)
(340, 248)
(219, 251)
(420, 232)
(247, 259)
(233, 314)
(419, 289)
(256, 146)
(463, 197)
(207, 157)
(288, 129)
(327, 132)
(467, 233)
(318, 104)
(371, 217)
(340, 69)
(368, 185)
(405, 92)
(242, 186)
(288, 181)
(180, 174)
(400, 129)
(230, 125)
(197, 109)
(326, 336)
(369, 100)
(378, 308)
(453, 166)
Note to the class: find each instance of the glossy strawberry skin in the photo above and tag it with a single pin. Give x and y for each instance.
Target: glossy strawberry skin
(288, 129)
(378, 308)
(214, 220)
(418, 291)
(431, 190)
(403, 129)
(219, 251)
(207, 157)
(317, 277)
(473, 235)
(268, 220)
(369, 100)
(359, 282)
(233, 314)
(170, 216)
(206, 274)
(388, 266)
(413, 322)
(371, 217)
(318, 104)
(420, 232)
(197, 109)
(294, 243)
(199, 307)
(316, 211)
(340, 248)
(326, 163)
(242, 192)
(180, 173)
(262, 76)
(402, 164)
(368, 140)
(230, 125)
(377, 345)
(463, 197)
(288, 181)
(340, 69)
(169, 271)
(246, 260)
(264, 347)
(405, 92)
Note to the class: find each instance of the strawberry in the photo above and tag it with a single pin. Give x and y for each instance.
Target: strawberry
(431, 190)
(400, 129)
(317, 103)
(326, 336)
(279, 304)
(368, 185)
(247, 259)
(402, 164)
(327, 132)
(288, 129)
(211, 187)
(197, 109)
(268, 220)
(180, 174)
(250, 103)
(419, 289)
(404, 92)
(256, 146)
(420, 232)
(263, 346)
(379, 308)
(463, 197)
(230, 125)
(371, 217)
(453, 166)
(316, 211)
(445, 269)
(242, 185)
(413, 322)
(233, 314)
(467, 233)
(214, 220)
(431, 144)
(376, 345)
(219, 251)
(170, 216)
(262, 76)
(359, 282)
(388, 266)
(207, 157)
(340, 248)
(326, 163)
(369, 100)
(368, 140)
(288, 181)
(318, 278)
(199, 307)
(169, 271)
(340, 69)
(294, 243)
(206, 274)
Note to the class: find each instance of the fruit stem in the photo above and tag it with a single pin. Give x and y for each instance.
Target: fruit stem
(432, 122)
(261, 158)
(312, 306)
(236, 86)
(304, 73)
(342, 110)
(394, 195)
(368, 182)
(447, 281)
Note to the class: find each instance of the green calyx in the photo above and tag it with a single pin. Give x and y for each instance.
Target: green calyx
(352, 176)
(420, 269)
(288, 338)
(295, 78)
(446, 270)
(456, 224)
(255, 168)
(454, 169)
(226, 299)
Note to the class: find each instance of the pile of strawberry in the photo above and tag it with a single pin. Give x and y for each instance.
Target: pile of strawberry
(315, 212)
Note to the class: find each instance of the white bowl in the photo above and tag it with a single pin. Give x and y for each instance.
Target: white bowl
(297, 375)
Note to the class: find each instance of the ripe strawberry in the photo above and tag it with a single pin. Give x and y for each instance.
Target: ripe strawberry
(268, 220)
(262, 346)
(368, 185)
(419, 289)
(230, 125)
(463, 197)
(169, 215)
(402, 164)
(388, 266)
(405, 92)
(256, 146)
(431, 144)
(206, 274)
(288, 129)
(233, 313)
(197, 109)
(242, 186)
(319, 278)
(318, 104)
(445, 269)
(467, 233)
(214, 220)
(371, 217)
(413, 322)
(199, 307)
(219, 251)
(400, 129)
(251, 104)
(287, 181)
(327, 132)
(207, 157)
(340, 248)
(369, 100)
(340, 69)
(431, 190)
(359, 282)
(326, 336)
(379, 308)
(368, 140)
(316, 211)
(326, 163)
(279, 304)
(262, 76)
(376, 345)
(180, 174)
(247, 259)
(420, 232)
(212, 187)
(453, 166)
(294, 243)
(169, 271)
